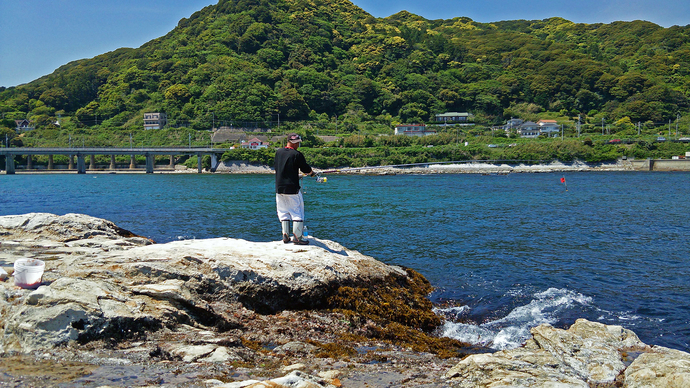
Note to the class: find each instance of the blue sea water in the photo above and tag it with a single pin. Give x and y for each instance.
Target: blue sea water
(505, 253)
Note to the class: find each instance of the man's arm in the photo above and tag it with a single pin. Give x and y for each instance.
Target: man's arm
(304, 166)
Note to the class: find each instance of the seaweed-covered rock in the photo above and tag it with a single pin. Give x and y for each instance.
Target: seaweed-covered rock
(264, 276)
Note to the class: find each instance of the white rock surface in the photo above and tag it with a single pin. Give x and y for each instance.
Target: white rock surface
(587, 354)
(295, 379)
(660, 368)
(101, 280)
(46, 226)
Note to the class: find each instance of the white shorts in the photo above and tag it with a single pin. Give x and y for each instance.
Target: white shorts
(290, 207)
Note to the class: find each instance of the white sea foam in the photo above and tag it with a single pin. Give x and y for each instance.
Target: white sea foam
(626, 316)
(512, 330)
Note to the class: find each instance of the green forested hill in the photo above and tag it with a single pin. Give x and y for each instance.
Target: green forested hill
(255, 60)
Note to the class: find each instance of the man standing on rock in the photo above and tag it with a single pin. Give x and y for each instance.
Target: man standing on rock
(288, 163)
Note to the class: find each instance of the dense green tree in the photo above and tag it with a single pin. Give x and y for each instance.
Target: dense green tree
(253, 59)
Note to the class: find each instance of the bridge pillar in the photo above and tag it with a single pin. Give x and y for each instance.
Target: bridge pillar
(214, 162)
(150, 161)
(132, 162)
(198, 162)
(172, 161)
(9, 164)
(92, 162)
(29, 162)
(70, 166)
(50, 162)
(112, 162)
(81, 164)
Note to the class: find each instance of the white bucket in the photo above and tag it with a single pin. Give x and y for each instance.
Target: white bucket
(28, 273)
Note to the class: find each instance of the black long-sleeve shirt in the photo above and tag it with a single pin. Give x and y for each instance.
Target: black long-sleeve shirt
(288, 163)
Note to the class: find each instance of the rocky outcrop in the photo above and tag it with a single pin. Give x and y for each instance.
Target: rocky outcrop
(48, 227)
(104, 282)
(588, 354)
(662, 367)
(242, 167)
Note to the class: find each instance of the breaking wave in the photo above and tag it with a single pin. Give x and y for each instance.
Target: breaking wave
(512, 330)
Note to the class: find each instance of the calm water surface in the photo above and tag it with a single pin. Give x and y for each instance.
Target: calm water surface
(511, 251)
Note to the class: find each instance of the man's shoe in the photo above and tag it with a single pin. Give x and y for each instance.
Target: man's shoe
(286, 238)
(299, 241)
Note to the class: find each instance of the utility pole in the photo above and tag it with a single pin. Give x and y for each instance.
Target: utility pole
(602, 126)
(578, 125)
(677, 118)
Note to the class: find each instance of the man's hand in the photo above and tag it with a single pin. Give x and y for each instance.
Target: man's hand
(312, 173)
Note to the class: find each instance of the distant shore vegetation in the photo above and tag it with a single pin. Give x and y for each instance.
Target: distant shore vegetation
(331, 69)
(380, 149)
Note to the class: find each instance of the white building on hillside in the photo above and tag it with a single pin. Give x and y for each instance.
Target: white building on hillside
(155, 120)
(453, 117)
(413, 130)
(548, 127)
(254, 144)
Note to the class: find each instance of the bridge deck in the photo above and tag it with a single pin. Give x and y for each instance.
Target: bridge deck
(112, 151)
(80, 153)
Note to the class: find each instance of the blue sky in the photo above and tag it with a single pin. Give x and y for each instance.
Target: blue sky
(38, 36)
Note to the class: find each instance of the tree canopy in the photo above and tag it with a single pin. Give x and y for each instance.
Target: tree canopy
(253, 60)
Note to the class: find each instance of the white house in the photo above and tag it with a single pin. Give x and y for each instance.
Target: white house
(453, 117)
(528, 129)
(155, 120)
(254, 144)
(413, 130)
(513, 124)
(548, 127)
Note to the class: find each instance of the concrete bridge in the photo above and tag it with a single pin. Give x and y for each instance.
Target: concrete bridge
(81, 153)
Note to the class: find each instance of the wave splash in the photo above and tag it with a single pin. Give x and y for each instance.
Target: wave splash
(512, 330)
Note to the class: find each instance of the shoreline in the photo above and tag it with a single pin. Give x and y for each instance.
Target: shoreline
(479, 167)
